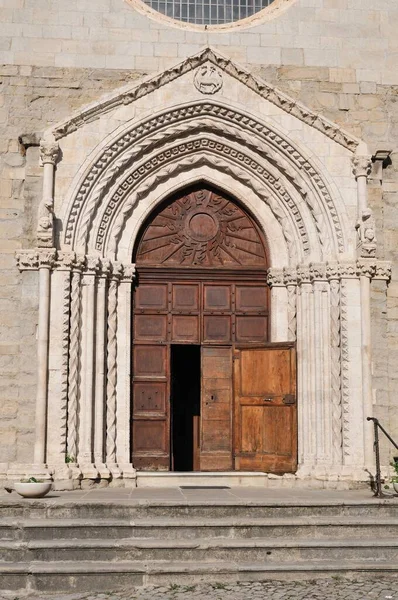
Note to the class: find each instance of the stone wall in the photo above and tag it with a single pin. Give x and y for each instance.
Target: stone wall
(338, 57)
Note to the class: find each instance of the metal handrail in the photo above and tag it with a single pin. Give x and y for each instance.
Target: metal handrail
(377, 426)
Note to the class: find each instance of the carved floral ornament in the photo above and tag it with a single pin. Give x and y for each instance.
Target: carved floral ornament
(330, 271)
(33, 260)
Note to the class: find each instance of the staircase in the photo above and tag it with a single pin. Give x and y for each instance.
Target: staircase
(99, 546)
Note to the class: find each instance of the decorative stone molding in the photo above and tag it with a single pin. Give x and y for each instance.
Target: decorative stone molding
(167, 127)
(335, 367)
(272, 94)
(361, 166)
(208, 79)
(330, 271)
(218, 164)
(49, 152)
(347, 434)
(157, 174)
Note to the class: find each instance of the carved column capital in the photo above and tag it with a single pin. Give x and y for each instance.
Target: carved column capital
(128, 273)
(361, 166)
(93, 265)
(332, 271)
(304, 274)
(49, 152)
(275, 278)
(383, 270)
(318, 271)
(79, 263)
(116, 271)
(47, 258)
(65, 260)
(366, 268)
(290, 276)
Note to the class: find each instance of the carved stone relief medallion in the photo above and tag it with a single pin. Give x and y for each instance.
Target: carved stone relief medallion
(208, 79)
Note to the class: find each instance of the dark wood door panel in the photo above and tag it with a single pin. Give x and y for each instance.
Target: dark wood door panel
(251, 299)
(185, 297)
(149, 398)
(185, 329)
(217, 328)
(150, 328)
(216, 297)
(150, 361)
(251, 329)
(151, 296)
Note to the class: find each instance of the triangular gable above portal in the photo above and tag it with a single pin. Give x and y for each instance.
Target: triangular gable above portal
(133, 92)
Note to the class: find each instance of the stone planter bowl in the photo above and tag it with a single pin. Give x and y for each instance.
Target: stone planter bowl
(32, 490)
(395, 486)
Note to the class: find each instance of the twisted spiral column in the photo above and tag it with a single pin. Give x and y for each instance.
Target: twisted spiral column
(111, 391)
(74, 363)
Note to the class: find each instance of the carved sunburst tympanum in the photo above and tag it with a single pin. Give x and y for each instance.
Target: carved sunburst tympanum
(201, 228)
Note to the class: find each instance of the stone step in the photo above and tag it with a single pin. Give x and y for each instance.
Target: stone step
(111, 576)
(215, 549)
(310, 528)
(301, 527)
(196, 509)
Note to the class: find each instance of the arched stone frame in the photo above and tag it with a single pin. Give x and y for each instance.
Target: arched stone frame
(320, 296)
(293, 163)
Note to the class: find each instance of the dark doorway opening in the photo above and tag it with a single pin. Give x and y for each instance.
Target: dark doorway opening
(184, 405)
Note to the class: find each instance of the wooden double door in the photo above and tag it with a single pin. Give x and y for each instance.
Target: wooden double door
(209, 392)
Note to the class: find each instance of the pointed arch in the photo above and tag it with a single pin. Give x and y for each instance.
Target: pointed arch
(139, 149)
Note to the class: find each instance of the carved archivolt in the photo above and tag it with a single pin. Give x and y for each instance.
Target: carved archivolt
(161, 130)
(219, 164)
(246, 169)
(258, 86)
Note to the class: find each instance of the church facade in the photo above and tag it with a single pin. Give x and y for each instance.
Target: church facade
(198, 241)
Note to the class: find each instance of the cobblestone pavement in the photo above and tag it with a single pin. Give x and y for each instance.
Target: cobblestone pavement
(330, 589)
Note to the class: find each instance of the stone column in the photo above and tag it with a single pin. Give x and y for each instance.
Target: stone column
(58, 367)
(100, 370)
(111, 388)
(361, 169)
(86, 422)
(278, 312)
(46, 262)
(333, 275)
(74, 389)
(305, 373)
(366, 272)
(49, 152)
(124, 375)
